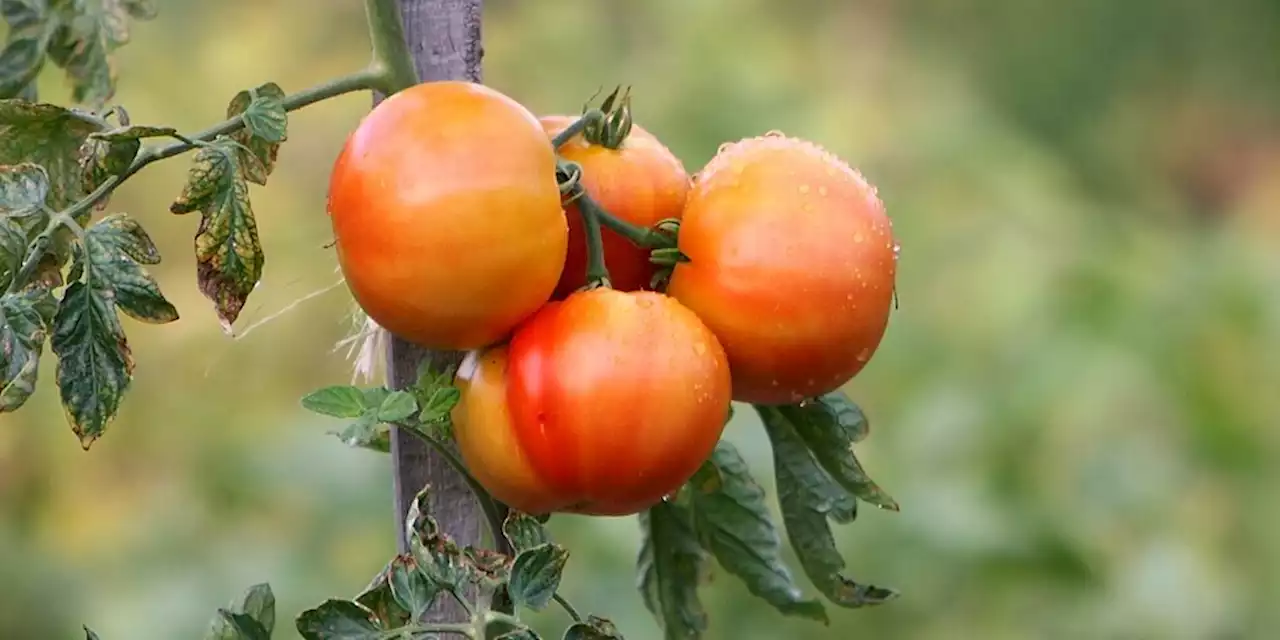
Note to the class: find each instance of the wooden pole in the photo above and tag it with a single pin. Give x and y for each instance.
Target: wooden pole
(444, 37)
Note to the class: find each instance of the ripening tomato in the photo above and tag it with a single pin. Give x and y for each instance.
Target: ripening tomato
(601, 404)
(447, 216)
(641, 182)
(792, 265)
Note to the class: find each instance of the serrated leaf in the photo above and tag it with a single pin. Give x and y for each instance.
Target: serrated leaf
(378, 599)
(259, 603)
(50, 136)
(229, 256)
(488, 565)
(89, 634)
(338, 620)
(89, 32)
(535, 575)
(116, 247)
(338, 401)
(670, 565)
(95, 365)
(410, 588)
(593, 628)
(439, 405)
(830, 425)
(397, 406)
(735, 526)
(439, 558)
(231, 625)
(23, 331)
(31, 25)
(809, 497)
(99, 161)
(266, 126)
(366, 432)
(523, 531)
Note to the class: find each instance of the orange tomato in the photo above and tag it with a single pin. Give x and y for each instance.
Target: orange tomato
(601, 404)
(641, 182)
(447, 215)
(793, 263)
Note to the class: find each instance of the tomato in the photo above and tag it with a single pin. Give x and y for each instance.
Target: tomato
(601, 404)
(792, 265)
(447, 215)
(641, 182)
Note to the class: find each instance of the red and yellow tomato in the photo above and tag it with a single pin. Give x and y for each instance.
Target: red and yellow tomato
(792, 266)
(446, 215)
(601, 404)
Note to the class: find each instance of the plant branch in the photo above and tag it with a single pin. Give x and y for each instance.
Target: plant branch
(597, 271)
(392, 60)
(460, 629)
(487, 504)
(568, 608)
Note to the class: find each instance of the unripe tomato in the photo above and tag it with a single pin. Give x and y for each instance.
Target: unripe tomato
(792, 265)
(641, 182)
(447, 215)
(601, 404)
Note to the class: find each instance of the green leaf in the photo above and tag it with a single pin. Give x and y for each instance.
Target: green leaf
(734, 524)
(397, 406)
(829, 426)
(229, 625)
(338, 620)
(436, 395)
(31, 25)
(381, 602)
(50, 136)
(593, 628)
(95, 365)
(13, 249)
(229, 256)
(366, 432)
(266, 125)
(439, 405)
(338, 401)
(23, 330)
(809, 497)
(535, 575)
(671, 565)
(89, 634)
(523, 531)
(259, 603)
(411, 590)
(116, 247)
(90, 31)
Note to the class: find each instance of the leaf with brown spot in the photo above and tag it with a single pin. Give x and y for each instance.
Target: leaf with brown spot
(266, 126)
(88, 34)
(229, 256)
(49, 136)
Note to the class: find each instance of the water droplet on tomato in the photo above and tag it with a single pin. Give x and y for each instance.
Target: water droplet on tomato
(700, 348)
(864, 355)
(858, 237)
(774, 133)
(804, 188)
(773, 382)
(822, 191)
(644, 302)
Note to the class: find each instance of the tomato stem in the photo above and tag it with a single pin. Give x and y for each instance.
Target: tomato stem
(578, 126)
(568, 608)
(487, 503)
(597, 271)
(392, 60)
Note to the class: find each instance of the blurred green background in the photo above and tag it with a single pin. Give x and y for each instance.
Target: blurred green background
(1076, 404)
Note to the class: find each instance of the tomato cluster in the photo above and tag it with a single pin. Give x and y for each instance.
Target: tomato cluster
(460, 226)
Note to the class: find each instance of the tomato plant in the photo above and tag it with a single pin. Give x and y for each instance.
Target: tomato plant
(791, 262)
(449, 173)
(448, 206)
(635, 177)
(602, 404)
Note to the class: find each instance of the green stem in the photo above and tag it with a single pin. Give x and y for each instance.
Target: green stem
(57, 220)
(460, 629)
(392, 59)
(637, 235)
(597, 272)
(568, 608)
(487, 504)
(592, 116)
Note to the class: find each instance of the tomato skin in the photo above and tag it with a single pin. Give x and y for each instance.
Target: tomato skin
(447, 216)
(600, 405)
(641, 182)
(792, 266)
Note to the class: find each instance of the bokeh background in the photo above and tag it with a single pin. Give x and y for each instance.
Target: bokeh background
(1076, 404)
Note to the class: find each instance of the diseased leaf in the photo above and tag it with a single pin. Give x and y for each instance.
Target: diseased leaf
(109, 153)
(31, 25)
(23, 188)
(439, 557)
(523, 531)
(339, 401)
(13, 249)
(24, 324)
(116, 247)
(671, 565)
(338, 620)
(593, 628)
(489, 566)
(366, 432)
(379, 600)
(50, 136)
(535, 575)
(411, 590)
(229, 256)
(259, 603)
(231, 625)
(129, 132)
(397, 406)
(830, 425)
(95, 364)
(734, 525)
(266, 126)
(809, 497)
(88, 33)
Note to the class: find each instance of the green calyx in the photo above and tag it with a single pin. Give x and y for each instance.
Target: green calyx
(612, 130)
